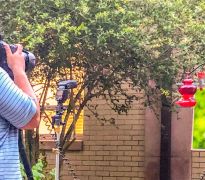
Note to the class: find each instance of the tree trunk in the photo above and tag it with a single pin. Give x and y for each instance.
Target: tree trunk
(165, 148)
(32, 146)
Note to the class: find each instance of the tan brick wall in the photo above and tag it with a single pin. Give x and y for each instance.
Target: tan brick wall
(110, 153)
(198, 164)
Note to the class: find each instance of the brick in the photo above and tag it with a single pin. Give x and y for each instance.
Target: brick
(110, 138)
(86, 148)
(138, 127)
(124, 148)
(116, 153)
(196, 176)
(83, 168)
(124, 158)
(102, 153)
(130, 163)
(197, 170)
(131, 174)
(110, 158)
(105, 112)
(109, 178)
(91, 121)
(110, 168)
(202, 154)
(138, 169)
(88, 163)
(124, 168)
(125, 138)
(131, 153)
(96, 137)
(102, 163)
(195, 165)
(110, 148)
(138, 148)
(195, 153)
(88, 153)
(66, 178)
(88, 173)
(82, 158)
(104, 143)
(94, 148)
(76, 162)
(89, 143)
(202, 164)
(102, 173)
(94, 178)
(138, 159)
(123, 178)
(134, 138)
(116, 163)
(120, 121)
(198, 159)
(117, 174)
(130, 143)
(126, 127)
(96, 168)
(96, 158)
(118, 143)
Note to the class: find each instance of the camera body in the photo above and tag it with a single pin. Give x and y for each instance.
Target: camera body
(29, 58)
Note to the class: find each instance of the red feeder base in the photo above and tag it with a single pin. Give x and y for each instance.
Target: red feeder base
(186, 103)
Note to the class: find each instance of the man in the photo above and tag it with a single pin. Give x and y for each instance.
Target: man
(19, 109)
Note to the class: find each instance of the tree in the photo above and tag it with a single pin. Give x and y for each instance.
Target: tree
(111, 42)
(90, 38)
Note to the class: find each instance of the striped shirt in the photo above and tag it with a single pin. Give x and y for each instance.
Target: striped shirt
(16, 110)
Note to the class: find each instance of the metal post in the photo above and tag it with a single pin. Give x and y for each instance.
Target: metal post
(57, 151)
(61, 96)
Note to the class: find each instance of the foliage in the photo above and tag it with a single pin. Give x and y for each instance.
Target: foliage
(39, 171)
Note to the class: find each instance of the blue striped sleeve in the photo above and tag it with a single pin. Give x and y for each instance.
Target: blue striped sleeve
(15, 106)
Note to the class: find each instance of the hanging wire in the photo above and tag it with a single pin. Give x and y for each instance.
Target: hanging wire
(66, 161)
(196, 68)
(69, 165)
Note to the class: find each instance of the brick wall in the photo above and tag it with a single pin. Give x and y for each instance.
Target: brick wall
(109, 153)
(198, 164)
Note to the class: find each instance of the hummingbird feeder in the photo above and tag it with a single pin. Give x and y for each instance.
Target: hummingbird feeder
(187, 90)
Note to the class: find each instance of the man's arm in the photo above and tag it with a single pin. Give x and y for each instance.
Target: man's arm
(21, 80)
(17, 64)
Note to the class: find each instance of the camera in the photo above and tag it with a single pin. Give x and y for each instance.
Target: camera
(63, 89)
(29, 58)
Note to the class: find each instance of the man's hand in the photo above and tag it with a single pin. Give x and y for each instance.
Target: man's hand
(15, 60)
(16, 63)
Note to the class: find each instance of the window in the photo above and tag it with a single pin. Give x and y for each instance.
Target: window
(199, 121)
(45, 129)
